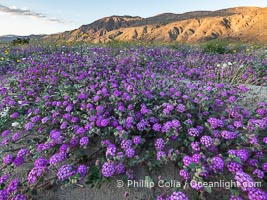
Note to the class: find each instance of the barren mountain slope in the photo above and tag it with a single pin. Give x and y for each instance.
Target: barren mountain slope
(241, 23)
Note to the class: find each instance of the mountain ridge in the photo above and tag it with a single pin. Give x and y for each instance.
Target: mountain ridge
(244, 24)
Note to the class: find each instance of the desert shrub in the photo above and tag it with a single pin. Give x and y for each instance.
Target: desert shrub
(20, 41)
(215, 46)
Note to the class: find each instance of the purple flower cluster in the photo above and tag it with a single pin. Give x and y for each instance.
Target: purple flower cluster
(161, 155)
(228, 135)
(217, 164)
(234, 167)
(244, 181)
(65, 171)
(8, 159)
(13, 185)
(84, 141)
(159, 144)
(194, 132)
(206, 140)
(40, 162)
(257, 194)
(56, 158)
(178, 196)
(35, 173)
(82, 169)
(185, 174)
(187, 160)
(215, 123)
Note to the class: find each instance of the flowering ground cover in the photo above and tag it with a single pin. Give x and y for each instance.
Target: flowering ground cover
(134, 107)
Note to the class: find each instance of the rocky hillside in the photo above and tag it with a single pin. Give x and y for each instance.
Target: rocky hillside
(239, 24)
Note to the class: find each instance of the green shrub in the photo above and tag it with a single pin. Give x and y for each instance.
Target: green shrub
(215, 46)
(20, 41)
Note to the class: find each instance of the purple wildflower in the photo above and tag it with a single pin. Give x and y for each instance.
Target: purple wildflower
(178, 196)
(217, 164)
(13, 185)
(16, 136)
(84, 141)
(18, 161)
(257, 194)
(243, 154)
(111, 150)
(130, 152)
(64, 172)
(187, 160)
(69, 108)
(160, 155)
(259, 173)
(195, 146)
(34, 174)
(45, 119)
(180, 108)
(136, 140)
(23, 152)
(159, 144)
(56, 158)
(120, 168)
(108, 169)
(185, 174)
(244, 181)
(4, 178)
(82, 169)
(156, 127)
(14, 115)
(234, 167)
(264, 167)
(3, 194)
(74, 142)
(8, 159)
(40, 162)
(104, 122)
(193, 132)
(253, 162)
(206, 140)
(176, 123)
(125, 144)
(63, 125)
(29, 126)
(5, 133)
(228, 135)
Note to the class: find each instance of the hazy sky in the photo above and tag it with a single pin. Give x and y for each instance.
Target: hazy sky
(26, 17)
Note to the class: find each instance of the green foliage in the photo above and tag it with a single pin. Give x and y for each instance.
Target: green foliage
(116, 44)
(215, 46)
(95, 178)
(20, 41)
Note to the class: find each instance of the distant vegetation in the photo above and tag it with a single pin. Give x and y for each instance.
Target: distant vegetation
(20, 41)
(215, 46)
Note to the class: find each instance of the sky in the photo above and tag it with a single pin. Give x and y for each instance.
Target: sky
(52, 16)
